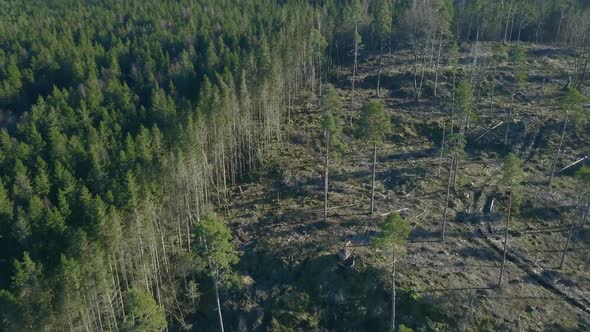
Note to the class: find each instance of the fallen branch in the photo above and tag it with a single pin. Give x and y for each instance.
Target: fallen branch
(487, 131)
(408, 194)
(572, 164)
(388, 213)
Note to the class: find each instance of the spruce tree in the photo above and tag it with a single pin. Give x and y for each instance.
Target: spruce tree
(143, 313)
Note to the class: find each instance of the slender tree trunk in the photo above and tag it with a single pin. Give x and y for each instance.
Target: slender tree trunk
(510, 112)
(444, 223)
(354, 67)
(216, 286)
(455, 172)
(582, 224)
(437, 63)
(215, 278)
(519, 29)
(380, 70)
(585, 217)
(327, 135)
(512, 26)
(559, 26)
(567, 244)
(442, 148)
(505, 240)
(453, 102)
(319, 61)
(508, 21)
(493, 88)
(416, 91)
(558, 149)
(373, 183)
(393, 291)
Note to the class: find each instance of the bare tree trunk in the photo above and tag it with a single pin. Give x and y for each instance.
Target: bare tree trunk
(455, 172)
(327, 135)
(215, 284)
(437, 63)
(567, 244)
(416, 93)
(558, 149)
(354, 71)
(380, 70)
(582, 224)
(493, 88)
(508, 125)
(559, 26)
(393, 291)
(508, 21)
(453, 102)
(373, 184)
(442, 148)
(585, 217)
(444, 223)
(505, 240)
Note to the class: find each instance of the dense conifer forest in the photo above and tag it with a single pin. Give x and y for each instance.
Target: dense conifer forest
(291, 165)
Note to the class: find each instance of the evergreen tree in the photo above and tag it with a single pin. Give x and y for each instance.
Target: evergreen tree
(464, 104)
(373, 126)
(144, 314)
(381, 30)
(216, 249)
(512, 176)
(571, 105)
(392, 239)
(332, 134)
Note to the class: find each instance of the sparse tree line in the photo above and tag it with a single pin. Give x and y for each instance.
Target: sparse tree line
(124, 123)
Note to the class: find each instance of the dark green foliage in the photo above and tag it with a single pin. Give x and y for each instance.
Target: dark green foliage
(95, 120)
(583, 178)
(455, 145)
(403, 328)
(572, 103)
(464, 101)
(512, 174)
(381, 24)
(144, 313)
(394, 233)
(123, 121)
(512, 177)
(215, 246)
(519, 58)
(374, 123)
(331, 120)
(583, 175)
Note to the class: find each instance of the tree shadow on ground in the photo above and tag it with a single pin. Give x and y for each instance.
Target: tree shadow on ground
(320, 290)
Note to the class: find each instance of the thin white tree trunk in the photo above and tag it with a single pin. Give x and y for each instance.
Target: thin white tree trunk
(558, 149)
(505, 241)
(373, 183)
